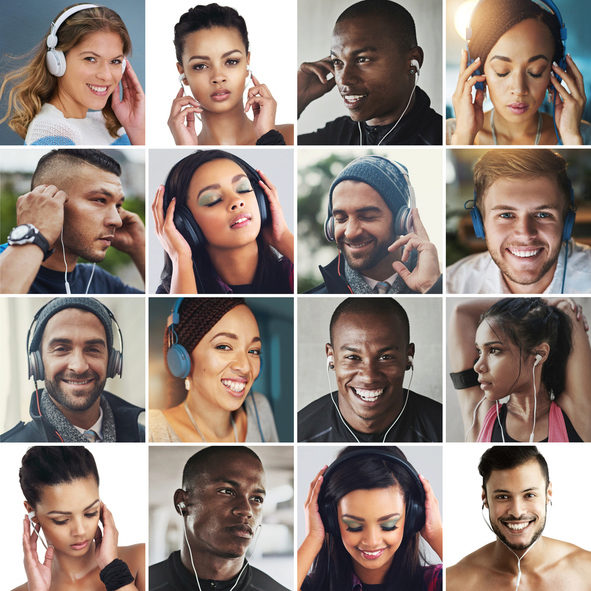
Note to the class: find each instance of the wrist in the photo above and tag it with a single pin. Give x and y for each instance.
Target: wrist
(115, 575)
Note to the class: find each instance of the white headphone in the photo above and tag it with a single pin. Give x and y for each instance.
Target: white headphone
(330, 362)
(55, 59)
(416, 66)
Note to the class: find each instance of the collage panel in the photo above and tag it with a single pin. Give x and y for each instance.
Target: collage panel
(225, 217)
(365, 352)
(381, 211)
(72, 221)
(221, 369)
(220, 505)
(516, 71)
(518, 500)
(372, 517)
(69, 376)
(227, 79)
(518, 221)
(76, 76)
(81, 509)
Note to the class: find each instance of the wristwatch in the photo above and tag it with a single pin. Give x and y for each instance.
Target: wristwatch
(28, 234)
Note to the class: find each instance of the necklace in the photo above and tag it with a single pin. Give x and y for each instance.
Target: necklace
(494, 135)
(194, 423)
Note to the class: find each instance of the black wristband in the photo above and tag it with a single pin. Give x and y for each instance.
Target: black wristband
(271, 138)
(464, 379)
(116, 575)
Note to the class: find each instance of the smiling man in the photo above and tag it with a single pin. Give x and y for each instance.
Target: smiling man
(516, 492)
(370, 352)
(373, 220)
(221, 505)
(374, 62)
(74, 209)
(524, 208)
(70, 347)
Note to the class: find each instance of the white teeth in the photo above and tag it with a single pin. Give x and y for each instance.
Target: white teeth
(517, 526)
(374, 553)
(524, 253)
(240, 220)
(98, 88)
(369, 395)
(234, 386)
(354, 97)
(78, 382)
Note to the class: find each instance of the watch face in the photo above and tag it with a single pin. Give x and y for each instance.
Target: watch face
(20, 232)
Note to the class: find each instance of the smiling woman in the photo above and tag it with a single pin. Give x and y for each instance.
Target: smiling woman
(78, 69)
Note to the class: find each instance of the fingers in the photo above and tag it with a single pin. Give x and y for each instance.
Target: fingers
(267, 186)
(48, 557)
(157, 209)
(315, 486)
(401, 241)
(417, 224)
(322, 69)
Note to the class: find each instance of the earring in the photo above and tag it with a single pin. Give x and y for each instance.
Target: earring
(187, 384)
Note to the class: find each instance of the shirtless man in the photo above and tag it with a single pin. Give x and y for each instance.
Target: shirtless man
(516, 490)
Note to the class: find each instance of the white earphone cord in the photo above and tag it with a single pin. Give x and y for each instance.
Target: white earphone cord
(66, 283)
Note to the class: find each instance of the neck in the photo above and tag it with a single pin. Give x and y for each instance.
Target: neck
(81, 418)
(67, 106)
(523, 132)
(55, 262)
(537, 287)
(393, 116)
(521, 404)
(235, 266)
(229, 128)
(383, 269)
(371, 576)
(209, 565)
(73, 569)
(374, 425)
(214, 422)
(506, 560)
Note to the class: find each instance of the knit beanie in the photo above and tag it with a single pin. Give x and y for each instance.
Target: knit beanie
(493, 18)
(382, 175)
(63, 303)
(197, 316)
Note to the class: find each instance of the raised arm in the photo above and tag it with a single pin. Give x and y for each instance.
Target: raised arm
(462, 353)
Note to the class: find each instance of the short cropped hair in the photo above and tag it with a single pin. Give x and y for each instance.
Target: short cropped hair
(523, 163)
(56, 159)
(200, 462)
(505, 457)
(399, 19)
(371, 305)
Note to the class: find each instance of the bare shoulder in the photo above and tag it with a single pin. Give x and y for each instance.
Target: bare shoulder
(286, 130)
(23, 587)
(567, 553)
(134, 555)
(468, 573)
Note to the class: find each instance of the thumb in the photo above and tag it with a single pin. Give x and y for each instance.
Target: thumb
(401, 269)
(48, 557)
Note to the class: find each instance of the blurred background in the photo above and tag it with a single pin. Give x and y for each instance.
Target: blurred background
(275, 319)
(16, 168)
(272, 552)
(575, 14)
(460, 238)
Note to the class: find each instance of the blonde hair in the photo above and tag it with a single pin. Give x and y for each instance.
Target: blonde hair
(33, 85)
(522, 163)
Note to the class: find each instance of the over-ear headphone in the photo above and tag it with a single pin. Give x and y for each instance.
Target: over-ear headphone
(402, 217)
(567, 229)
(415, 502)
(178, 359)
(35, 361)
(414, 64)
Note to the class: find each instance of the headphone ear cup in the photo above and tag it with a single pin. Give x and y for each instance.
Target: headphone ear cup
(178, 361)
(329, 228)
(123, 66)
(188, 227)
(115, 364)
(415, 516)
(569, 224)
(36, 369)
(403, 221)
(56, 62)
(477, 222)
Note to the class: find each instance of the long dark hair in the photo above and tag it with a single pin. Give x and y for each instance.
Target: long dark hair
(270, 276)
(528, 322)
(333, 566)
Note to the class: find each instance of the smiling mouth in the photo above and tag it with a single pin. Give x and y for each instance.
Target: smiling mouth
(79, 382)
(353, 101)
(235, 386)
(524, 253)
(358, 245)
(371, 554)
(98, 90)
(368, 395)
(517, 526)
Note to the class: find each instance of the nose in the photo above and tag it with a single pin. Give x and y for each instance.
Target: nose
(352, 228)
(479, 365)
(113, 218)
(519, 82)
(517, 508)
(77, 361)
(525, 225)
(104, 70)
(240, 362)
(76, 526)
(217, 76)
(347, 75)
(236, 203)
(372, 538)
(242, 506)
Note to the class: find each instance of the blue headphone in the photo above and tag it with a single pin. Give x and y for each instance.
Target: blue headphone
(550, 7)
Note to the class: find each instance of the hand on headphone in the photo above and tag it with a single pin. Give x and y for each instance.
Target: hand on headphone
(131, 109)
(105, 542)
(432, 531)
(276, 233)
(38, 573)
(469, 113)
(181, 120)
(570, 103)
(43, 207)
(426, 271)
(314, 527)
(263, 106)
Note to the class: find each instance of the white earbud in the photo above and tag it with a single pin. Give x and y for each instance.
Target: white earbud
(538, 359)
(415, 64)
(330, 362)
(182, 79)
(181, 507)
(410, 360)
(31, 514)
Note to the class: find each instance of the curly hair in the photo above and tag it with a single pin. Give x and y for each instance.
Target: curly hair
(33, 85)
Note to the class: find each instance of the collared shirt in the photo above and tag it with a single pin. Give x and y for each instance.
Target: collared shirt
(478, 273)
(97, 427)
(373, 282)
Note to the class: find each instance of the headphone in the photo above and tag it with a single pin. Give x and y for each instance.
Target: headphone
(414, 65)
(548, 6)
(55, 59)
(178, 359)
(415, 502)
(35, 361)
(402, 217)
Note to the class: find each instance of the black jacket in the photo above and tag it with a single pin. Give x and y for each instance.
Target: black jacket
(127, 426)
(335, 280)
(420, 126)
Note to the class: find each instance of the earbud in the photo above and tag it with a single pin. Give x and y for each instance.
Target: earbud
(182, 79)
(415, 67)
(330, 362)
(538, 359)
(410, 359)
(31, 514)
(181, 507)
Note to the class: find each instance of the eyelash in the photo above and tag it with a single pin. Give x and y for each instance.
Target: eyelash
(92, 60)
(232, 62)
(358, 529)
(231, 492)
(239, 191)
(87, 515)
(222, 347)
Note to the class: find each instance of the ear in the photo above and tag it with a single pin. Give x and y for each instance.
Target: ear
(248, 59)
(180, 496)
(29, 508)
(416, 53)
(410, 352)
(549, 492)
(543, 349)
(484, 499)
(329, 351)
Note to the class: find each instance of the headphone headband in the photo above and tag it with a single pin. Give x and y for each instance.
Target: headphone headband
(52, 37)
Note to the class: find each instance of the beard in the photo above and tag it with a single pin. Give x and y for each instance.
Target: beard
(73, 402)
(368, 260)
(534, 537)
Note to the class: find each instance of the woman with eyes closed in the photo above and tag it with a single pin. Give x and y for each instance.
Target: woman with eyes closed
(212, 51)
(365, 515)
(222, 228)
(222, 347)
(516, 46)
(535, 352)
(64, 510)
(79, 103)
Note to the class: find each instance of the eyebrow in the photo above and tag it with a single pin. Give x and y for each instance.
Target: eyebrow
(237, 484)
(384, 518)
(503, 490)
(70, 512)
(207, 58)
(98, 54)
(513, 208)
(358, 350)
(218, 186)
(529, 61)
(106, 193)
(231, 335)
(65, 341)
(367, 49)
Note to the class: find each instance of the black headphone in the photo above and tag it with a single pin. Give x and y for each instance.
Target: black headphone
(35, 361)
(415, 502)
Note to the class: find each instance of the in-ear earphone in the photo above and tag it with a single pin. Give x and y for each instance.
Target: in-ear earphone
(181, 507)
(30, 515)
(538, 359)
(415, 67)
(330, 362)
(182, 79)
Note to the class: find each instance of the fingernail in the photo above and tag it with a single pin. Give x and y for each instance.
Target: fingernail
(554, 64)
(477, 59)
